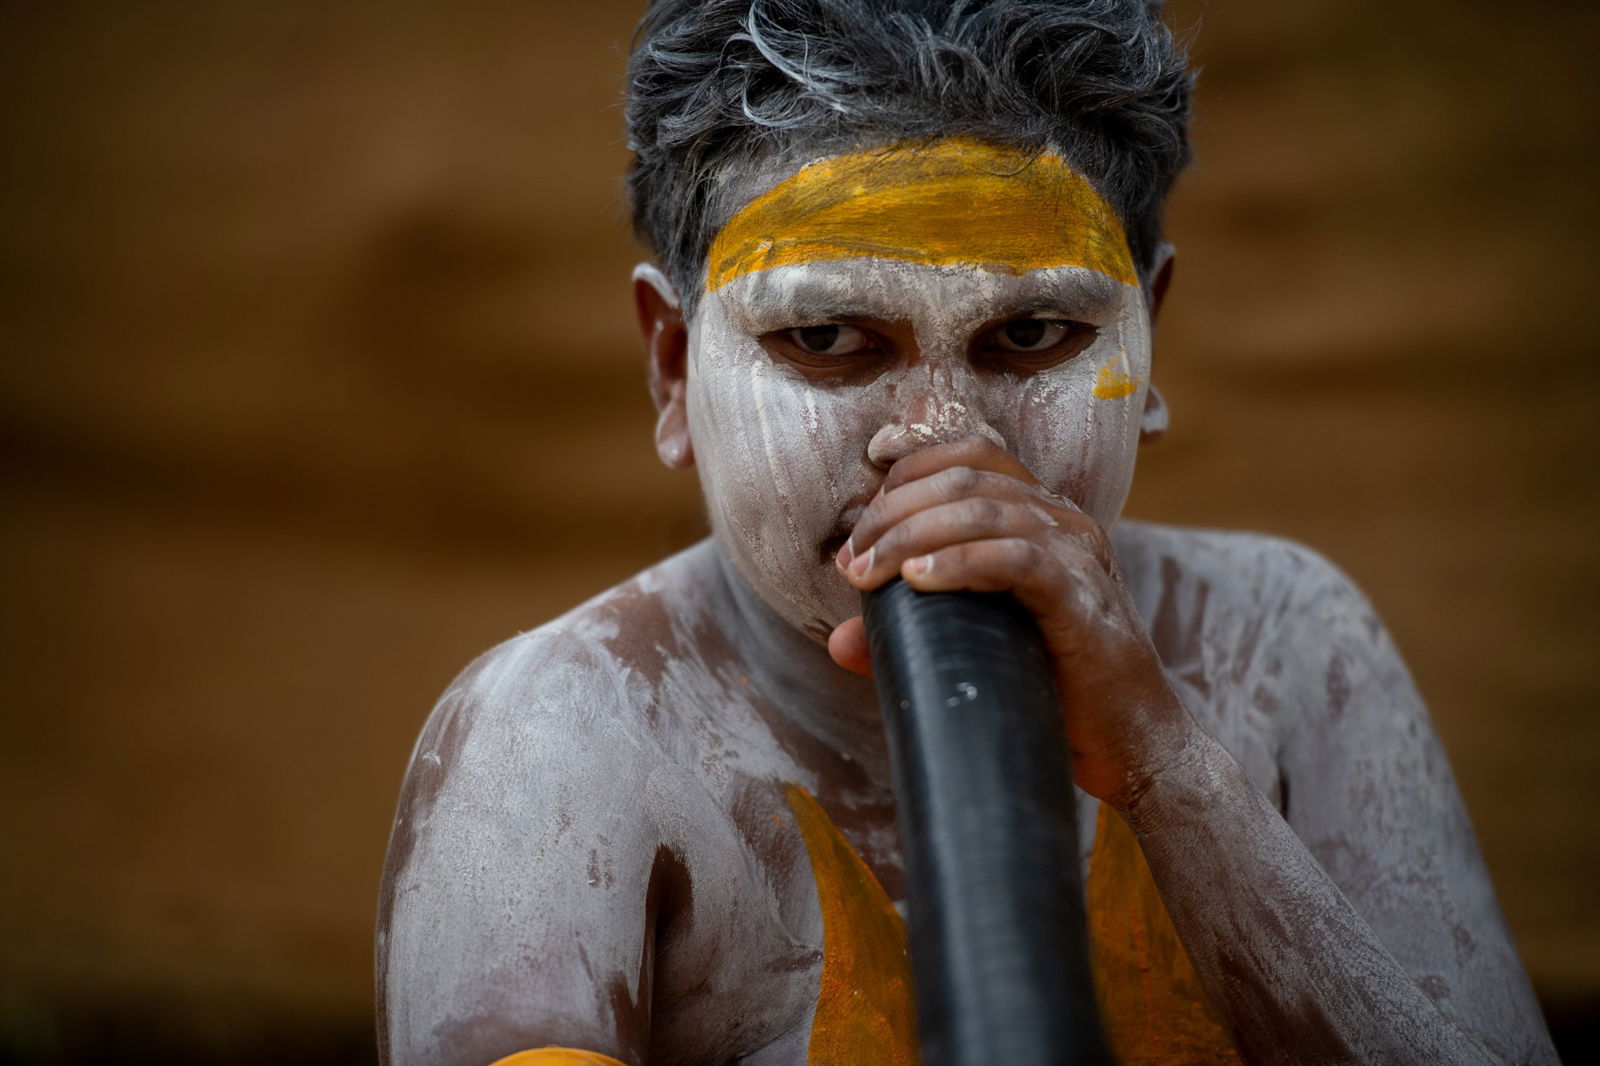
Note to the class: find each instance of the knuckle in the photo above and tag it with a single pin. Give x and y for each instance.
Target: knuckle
(1098, 543)
(1024, 554)
(888, 543)
(959, 480)
(1042, 516)
(982, 512)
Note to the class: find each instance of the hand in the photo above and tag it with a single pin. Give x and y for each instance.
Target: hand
(969, 515)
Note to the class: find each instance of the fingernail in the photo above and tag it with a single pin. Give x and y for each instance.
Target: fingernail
(845, 554)
(920, 565)
(863, 564)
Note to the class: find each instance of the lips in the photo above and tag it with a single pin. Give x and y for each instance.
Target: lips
(829, 548)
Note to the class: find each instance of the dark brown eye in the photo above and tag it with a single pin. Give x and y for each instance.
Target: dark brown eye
(1030, 334)
(1034, 344)
(829, 339)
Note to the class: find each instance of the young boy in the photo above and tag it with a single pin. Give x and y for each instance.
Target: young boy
(899, 319)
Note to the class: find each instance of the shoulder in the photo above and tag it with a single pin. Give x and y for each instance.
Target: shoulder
(1255, 588)
(1262, 629)
(1242, 568)
(530, 831)
(547, 720)
(583, 682)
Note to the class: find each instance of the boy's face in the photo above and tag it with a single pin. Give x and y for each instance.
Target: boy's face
(873, 304)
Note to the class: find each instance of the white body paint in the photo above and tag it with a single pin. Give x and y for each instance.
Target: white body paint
(556, 766)
(785, 461)
(593, 847)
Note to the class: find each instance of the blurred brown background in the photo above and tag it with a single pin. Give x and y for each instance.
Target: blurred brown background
(319, 378)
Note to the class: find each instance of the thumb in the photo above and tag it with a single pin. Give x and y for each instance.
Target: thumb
(847, 644)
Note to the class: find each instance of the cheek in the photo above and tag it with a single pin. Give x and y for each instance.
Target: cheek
(777, 462)
(1077, 428)
(763, 444)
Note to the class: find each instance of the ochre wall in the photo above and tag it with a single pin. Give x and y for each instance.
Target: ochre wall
(319, 378)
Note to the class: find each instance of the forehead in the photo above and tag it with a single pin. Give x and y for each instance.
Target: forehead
(951, 203)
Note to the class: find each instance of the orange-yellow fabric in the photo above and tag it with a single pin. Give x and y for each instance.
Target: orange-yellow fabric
(1152, 1006)
(865, 1010)
(955, 202)
(556, 1056)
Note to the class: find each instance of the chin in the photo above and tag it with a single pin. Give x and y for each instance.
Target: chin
(807, 595)
(816, 603)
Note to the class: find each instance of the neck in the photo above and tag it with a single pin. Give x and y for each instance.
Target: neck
(795, 675)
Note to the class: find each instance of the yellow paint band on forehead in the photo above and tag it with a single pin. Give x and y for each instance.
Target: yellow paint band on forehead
(955, 202)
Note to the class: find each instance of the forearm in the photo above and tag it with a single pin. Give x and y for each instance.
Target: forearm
(1296, 974)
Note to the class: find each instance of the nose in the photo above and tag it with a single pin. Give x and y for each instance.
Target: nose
(941, 405)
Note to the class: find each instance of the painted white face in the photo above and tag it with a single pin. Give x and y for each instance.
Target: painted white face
(808, 378)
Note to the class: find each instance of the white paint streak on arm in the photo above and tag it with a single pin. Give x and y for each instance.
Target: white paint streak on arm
(1388, 949)
(516, 893)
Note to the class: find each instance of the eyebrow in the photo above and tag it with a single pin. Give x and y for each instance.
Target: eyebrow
(1082, 290)
(780, 298)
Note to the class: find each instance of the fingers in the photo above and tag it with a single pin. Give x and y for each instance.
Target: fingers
(981, 566)
(978, 453)
(944, 486)
(967, 490)
(1036, 576)
(1062, 589)
(917, 530)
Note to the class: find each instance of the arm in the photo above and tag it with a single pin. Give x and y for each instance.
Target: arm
(1296, 971)
(518, 909)
(1377, 939)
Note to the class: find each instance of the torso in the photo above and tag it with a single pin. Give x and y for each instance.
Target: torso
(754, 951)
(739, 944)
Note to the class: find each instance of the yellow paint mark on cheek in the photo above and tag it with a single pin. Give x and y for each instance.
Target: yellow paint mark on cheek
(957, 202)
(1112, 381)
(864, 1004)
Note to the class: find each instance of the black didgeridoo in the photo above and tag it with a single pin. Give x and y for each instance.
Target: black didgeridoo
(987, 828)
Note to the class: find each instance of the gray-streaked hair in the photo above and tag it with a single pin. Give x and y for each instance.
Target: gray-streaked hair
(718, 87)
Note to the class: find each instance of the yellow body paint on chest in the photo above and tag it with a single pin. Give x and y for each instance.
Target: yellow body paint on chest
(1154, 1011)
(556, 1056)
(865, 1011)
(955, 202)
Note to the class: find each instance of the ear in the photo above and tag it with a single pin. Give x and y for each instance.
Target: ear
(666, 344)
(1160, 279)
(1153, 423)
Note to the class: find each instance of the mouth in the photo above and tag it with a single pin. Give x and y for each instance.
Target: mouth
(828, 551)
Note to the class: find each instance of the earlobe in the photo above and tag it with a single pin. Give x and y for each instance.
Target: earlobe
(666, 342)
(1153, 422)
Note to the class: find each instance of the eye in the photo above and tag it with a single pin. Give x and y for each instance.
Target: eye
(1033, 344)
(1030, 334)
(830, 339)
(831, 348)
